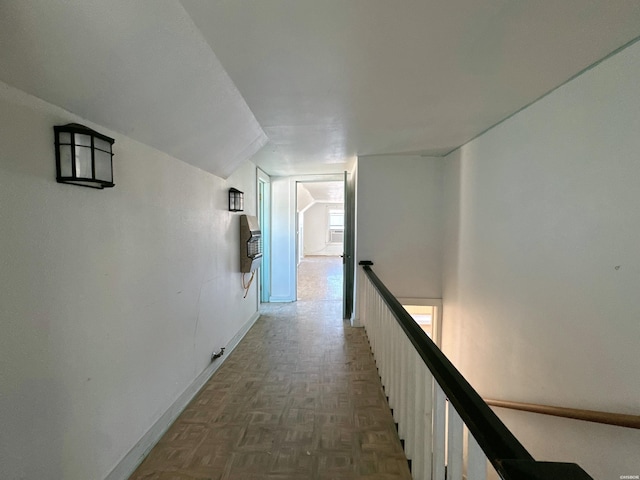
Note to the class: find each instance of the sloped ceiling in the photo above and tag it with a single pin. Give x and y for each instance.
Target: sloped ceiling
(138, 68)
(327, 191)
(302, 86)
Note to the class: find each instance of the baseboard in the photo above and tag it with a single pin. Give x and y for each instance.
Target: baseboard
(125, 468)
(281, 299)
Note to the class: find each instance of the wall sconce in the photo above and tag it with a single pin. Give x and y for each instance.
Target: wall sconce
(236, 200)
(83, 157)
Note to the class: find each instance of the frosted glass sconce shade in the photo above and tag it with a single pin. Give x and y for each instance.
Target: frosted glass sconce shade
(83, 156)
(236, 200)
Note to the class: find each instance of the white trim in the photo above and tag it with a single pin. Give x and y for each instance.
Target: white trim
(281, 299)
(125, 467)
(262, 175)
(436, 323)
(264, 278)
(428, 302)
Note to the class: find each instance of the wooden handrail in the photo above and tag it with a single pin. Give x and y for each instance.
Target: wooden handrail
(618, 419)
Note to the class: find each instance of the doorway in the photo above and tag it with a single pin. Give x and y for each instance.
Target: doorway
(319, 240)
(427, 313)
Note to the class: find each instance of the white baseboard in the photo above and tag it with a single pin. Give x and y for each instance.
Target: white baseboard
(281, 299)
(125, 468)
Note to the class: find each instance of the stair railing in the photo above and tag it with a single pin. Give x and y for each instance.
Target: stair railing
(448, 431)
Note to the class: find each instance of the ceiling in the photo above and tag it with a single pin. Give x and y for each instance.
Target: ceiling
(326, 191)
(302, 86)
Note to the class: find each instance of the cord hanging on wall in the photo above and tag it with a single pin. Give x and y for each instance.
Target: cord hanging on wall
(245, 285)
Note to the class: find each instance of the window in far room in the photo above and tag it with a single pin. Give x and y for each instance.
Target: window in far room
(335, 231)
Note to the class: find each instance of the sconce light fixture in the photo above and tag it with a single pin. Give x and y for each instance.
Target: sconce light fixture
(236, 200)
(83, 156)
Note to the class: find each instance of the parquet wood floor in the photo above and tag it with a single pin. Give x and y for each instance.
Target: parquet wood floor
(299, 398)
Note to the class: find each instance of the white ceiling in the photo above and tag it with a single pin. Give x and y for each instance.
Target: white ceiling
(138, 68)
(328, 80)
(327, 191)
(306, 84)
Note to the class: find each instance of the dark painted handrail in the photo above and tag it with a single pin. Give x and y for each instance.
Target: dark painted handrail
(507, 455)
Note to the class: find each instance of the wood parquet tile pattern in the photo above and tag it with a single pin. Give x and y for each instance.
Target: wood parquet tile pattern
(299, 398)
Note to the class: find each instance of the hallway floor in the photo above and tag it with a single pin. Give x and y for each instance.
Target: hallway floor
(299, 398)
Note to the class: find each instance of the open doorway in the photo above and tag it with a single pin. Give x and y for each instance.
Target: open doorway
(427, 314)
(319, 240)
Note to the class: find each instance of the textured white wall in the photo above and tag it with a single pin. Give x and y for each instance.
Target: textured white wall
(399, 222)
(112, 301)
(315, 234)
(303, 198)
(542, 265)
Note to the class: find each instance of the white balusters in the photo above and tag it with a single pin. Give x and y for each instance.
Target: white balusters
(434, 434)
(439, 410)
(403, 392)
(394, 376)
(476, 460)
(454, 444)
(426, 423)
(413, 360)
(388, 348)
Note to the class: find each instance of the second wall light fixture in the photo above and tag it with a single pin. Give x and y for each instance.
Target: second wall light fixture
(236, 200)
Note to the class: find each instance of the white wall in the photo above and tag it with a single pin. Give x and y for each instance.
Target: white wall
(303, 198)
(112, 301)
(283, 247)
(542, 265)
(316, 221)
(303, 201)
(399, 222)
